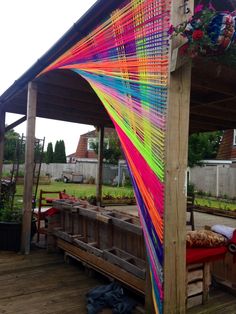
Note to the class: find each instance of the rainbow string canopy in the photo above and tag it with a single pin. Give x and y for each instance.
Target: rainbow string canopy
(125, 60)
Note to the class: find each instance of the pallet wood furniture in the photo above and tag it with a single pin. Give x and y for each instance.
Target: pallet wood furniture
(112, 243)
(224, 272)
(198, 280)
(115, 248)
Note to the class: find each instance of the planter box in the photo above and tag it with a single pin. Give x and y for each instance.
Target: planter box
(89, 247)
(216, 211)
(126, 261)
(126, 223)
(10, 236)
(43, 180)
(118, 201)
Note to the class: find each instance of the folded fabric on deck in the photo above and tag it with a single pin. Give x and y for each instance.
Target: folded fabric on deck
(111, 296)
(224, 230)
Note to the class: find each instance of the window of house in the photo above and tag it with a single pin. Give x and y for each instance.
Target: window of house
(93, 140)
(234, 141)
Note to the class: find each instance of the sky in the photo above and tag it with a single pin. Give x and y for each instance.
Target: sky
(27, 30)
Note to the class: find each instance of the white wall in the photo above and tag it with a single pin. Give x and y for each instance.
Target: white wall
(217, 179)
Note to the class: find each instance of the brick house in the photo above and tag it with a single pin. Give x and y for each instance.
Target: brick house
(85, 145)
(227, 149)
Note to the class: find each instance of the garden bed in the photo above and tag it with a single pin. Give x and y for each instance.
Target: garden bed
(216, 211)
(119, 201)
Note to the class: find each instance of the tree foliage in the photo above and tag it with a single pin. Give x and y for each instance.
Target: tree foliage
(10, 144)
(49, 154)
(59, 155)
(112, 152)
(203, 146)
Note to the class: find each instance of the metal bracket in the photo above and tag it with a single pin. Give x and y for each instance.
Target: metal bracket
(185, 6)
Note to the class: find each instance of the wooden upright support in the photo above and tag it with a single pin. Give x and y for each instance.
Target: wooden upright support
(100, 163)
(175, 175)
(29, 167)
(2, 133)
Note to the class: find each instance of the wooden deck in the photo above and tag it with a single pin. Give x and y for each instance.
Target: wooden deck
(42, 283)
(219, 302)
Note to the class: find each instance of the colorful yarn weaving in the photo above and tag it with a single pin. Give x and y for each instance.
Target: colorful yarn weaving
(125, 60)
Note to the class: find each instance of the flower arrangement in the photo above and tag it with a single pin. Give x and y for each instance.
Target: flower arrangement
(207, 32)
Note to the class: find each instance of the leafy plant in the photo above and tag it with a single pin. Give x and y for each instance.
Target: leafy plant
(190, 188)
(112, 153)
(203, 146)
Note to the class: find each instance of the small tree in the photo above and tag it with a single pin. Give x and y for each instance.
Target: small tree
(203, 146)
(49, 154)
(59, 153)
(11, 139)
(112, 153)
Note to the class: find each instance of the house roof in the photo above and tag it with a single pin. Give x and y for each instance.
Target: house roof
(65, 95)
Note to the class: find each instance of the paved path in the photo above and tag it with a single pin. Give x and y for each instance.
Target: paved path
(201, 219)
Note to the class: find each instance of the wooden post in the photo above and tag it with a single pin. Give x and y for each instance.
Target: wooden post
(29, 167)
(175, 176)
(2, 133)
(99, 168)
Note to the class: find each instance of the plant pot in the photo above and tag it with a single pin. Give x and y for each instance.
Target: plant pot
(10, 235)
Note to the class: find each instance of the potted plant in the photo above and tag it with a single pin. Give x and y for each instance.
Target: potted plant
(208, 32)
(10, 220)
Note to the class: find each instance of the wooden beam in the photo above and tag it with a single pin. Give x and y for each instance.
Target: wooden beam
(14, 124)
(99, 168)
(80, 109)
(214, 114)
(67, 117)
(198, 104)
(176, 150)
(212, 121)
(29, 168)
(66, 92)
(65, 78)
(2, 133)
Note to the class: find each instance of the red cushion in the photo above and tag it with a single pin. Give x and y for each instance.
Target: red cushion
(201, 255)
(51, 211)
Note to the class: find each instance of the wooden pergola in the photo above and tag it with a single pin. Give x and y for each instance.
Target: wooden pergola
(204, 95)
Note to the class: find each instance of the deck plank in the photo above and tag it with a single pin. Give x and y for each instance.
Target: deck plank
(219, 302)
(42, 284)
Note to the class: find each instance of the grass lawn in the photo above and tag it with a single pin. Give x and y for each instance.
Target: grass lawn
(215, 204)
(83, 190)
